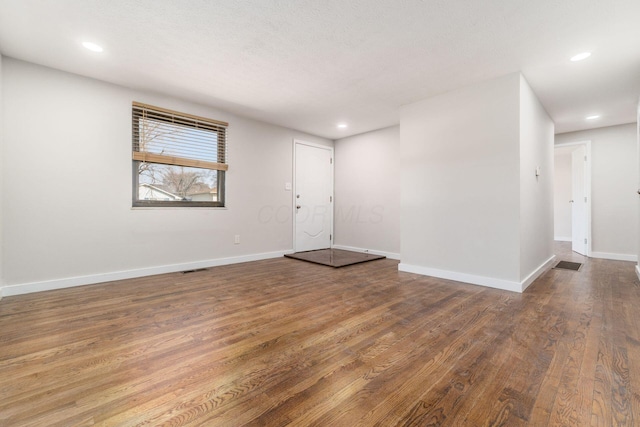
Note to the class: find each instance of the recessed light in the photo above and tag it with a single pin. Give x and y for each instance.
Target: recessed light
(92, 47)
(342, 125)
(595, 116)
(580, 56)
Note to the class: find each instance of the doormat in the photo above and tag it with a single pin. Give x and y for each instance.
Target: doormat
(334, 257)
(566, 265)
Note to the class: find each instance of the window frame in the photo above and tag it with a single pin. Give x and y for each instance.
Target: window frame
(221, 171)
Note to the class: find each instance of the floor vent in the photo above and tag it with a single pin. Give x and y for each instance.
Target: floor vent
(566, 265)
(194, 271)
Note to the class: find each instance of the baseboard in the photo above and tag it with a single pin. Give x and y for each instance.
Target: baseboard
(490, 282)
(390, 255)
(462, 277)
(48, 285)
(615, 257)
(638, 271)
(562, 239)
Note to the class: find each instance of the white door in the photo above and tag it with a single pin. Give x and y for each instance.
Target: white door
(579, 200)
(313, 197)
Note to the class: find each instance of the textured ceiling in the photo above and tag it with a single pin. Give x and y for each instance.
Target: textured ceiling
(309, 64)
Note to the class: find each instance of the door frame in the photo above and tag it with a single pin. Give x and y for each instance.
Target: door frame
(587, 185)
(296, 143)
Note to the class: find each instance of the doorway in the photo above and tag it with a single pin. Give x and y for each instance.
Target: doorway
(312, 197)
(572, 195)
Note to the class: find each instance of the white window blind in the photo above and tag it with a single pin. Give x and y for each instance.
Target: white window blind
(174, 138)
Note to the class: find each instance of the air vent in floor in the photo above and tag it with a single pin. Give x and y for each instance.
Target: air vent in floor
(194, 271)
(567, 265)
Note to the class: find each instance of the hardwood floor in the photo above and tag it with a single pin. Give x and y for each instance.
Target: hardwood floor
(282, 342)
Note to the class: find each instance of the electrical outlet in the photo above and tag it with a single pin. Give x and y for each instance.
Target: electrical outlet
(236, 239)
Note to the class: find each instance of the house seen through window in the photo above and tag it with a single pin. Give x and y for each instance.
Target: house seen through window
(178, 159)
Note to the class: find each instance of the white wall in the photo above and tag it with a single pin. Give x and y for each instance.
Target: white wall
(367, 194)
(536, 192)
(460, 181)
(562, 195)
(1, 174)
(77, 158)
(614, 180)
(472, 208)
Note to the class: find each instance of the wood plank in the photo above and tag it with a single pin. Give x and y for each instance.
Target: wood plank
(143, 156)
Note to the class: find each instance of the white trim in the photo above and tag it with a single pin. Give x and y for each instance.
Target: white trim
(390, 255)
(506, 285)
(615, 257)
(47, 285)
(638, 145)
(462, 277)
(587, 185)
(297, 142)
(563, 239)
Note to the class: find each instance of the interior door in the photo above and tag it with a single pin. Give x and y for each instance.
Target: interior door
(313, 197)
(578, 201)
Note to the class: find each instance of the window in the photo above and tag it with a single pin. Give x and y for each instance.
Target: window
(178, 159)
